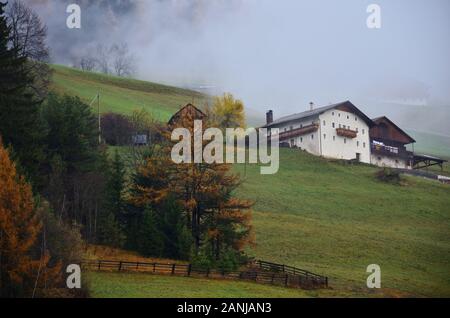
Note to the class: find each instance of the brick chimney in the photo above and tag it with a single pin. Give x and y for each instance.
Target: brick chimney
(269, 117)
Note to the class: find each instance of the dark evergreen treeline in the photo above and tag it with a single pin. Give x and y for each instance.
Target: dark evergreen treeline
(82, 193)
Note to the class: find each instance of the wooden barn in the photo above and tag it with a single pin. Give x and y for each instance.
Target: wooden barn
(188, 113)
(388, 144)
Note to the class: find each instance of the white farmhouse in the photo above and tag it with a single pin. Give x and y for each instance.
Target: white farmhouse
(338, 131)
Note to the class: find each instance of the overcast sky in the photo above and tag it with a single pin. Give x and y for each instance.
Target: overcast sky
(273, 54)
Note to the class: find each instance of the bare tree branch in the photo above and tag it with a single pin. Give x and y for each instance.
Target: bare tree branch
(28, 36)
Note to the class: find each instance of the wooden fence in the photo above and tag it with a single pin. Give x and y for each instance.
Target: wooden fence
(265, 275)
(307, 276)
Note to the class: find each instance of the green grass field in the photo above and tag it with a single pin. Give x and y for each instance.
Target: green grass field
(137, 285)
(335, 219)
(428, 143)
(123, 95)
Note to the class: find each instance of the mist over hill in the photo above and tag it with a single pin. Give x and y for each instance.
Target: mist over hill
(276, 55)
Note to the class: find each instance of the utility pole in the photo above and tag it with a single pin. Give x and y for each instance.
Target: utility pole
(99, 122)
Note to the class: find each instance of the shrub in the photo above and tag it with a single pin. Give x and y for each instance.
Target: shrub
(388, 175)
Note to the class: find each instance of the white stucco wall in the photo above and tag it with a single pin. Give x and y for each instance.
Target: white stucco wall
(384, 161)
(334, 146)
(310, 141)
(325, 141)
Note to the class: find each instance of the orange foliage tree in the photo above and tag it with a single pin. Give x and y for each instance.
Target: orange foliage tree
(204, 190)
(20, 225)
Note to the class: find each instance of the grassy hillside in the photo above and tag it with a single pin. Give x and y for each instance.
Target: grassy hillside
(123, 95)
(429, 143)
(335, 219)
(152, 286)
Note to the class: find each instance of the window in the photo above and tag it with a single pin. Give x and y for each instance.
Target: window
(334, 138)
(324, 136)
(301, 139)
(356, 118)
(332, 113)
(357, 144)
(332, 125)
(379, 158)
(324, 122)
(356, 129)
(339, 115)
(348, 116)
(312, 136)
(364, 145)
(363, 131)
(339, 125)
(345, 140)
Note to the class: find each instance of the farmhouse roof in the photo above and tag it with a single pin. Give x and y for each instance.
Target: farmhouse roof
(381, 119)
(317, 111)
(189, 108)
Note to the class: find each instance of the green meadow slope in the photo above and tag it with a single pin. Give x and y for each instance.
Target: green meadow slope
(122, 95)
(428, 143)
(335, 219)
(135, 285)
(327, 217)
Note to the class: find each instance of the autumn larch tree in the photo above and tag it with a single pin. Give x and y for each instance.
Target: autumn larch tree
(204, 190)
(20, 225)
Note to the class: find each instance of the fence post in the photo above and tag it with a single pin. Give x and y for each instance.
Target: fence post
(137, 265)
(154, 267)
(326, 282)
(189, 269)
(173, 269)
(286, 281)
(120, 266)
(99, 264)
(256, 276)
(273, 277)
(207, 272)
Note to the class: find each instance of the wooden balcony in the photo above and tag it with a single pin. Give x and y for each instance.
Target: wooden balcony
(298, 131)
(348, 133)
(389, 152)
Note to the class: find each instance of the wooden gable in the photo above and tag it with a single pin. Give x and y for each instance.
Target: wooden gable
(189, 111)
(385, 129)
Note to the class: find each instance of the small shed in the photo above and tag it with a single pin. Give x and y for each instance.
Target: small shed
(140, 139)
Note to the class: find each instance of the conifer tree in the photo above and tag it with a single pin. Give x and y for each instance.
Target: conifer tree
(20, 226)
(111, 225)
(204, 191)
(20, 123)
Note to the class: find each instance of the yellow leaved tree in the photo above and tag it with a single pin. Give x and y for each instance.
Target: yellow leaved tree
(227, 112)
